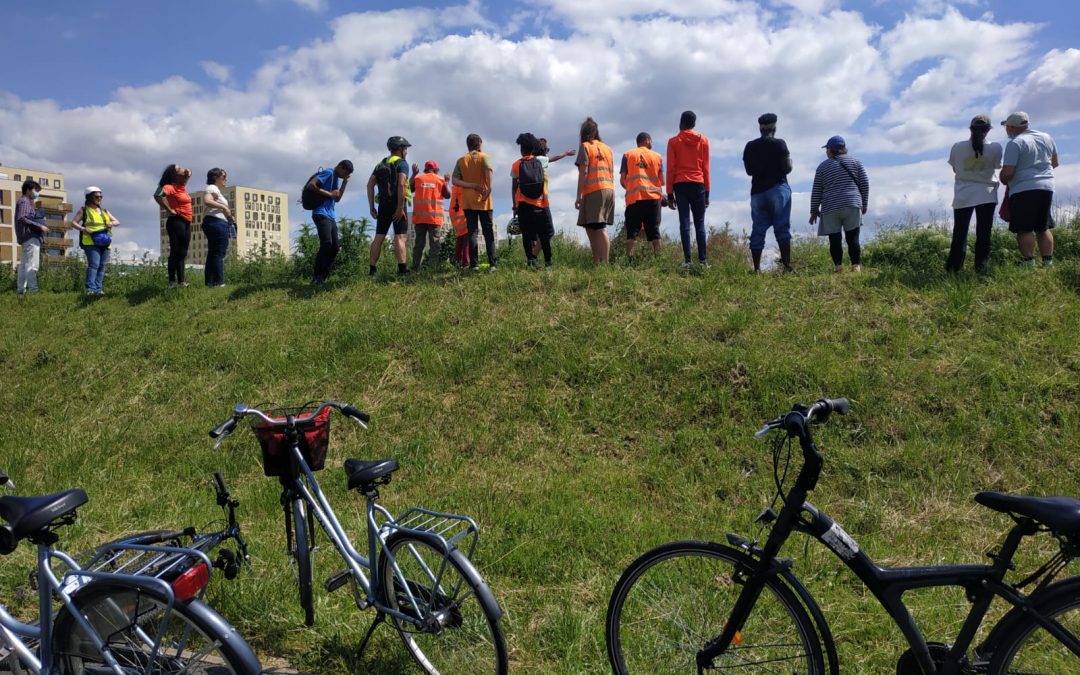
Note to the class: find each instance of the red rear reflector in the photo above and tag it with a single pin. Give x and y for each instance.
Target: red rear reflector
(187, 585)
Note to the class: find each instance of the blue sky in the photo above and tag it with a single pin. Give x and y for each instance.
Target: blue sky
(271, 89)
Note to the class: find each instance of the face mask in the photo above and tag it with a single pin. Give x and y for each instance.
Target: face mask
(34, 194)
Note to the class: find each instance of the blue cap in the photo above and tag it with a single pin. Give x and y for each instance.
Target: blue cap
(835, 143)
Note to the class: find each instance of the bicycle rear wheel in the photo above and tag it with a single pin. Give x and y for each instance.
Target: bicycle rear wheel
(195, 639)
(1029, 648)
(300, 551)
(459, 632)
(675, 598)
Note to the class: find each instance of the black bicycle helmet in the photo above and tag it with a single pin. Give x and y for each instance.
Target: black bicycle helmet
(395, 142)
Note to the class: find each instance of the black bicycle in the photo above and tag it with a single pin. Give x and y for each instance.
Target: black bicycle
(694, 606)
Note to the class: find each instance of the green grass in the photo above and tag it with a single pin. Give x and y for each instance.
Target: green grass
(580, 415)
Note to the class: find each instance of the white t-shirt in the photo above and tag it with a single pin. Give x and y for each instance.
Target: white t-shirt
(975, 182)
(212, 212)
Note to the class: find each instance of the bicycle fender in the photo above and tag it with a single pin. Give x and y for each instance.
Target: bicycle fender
(1069, 586)
(249, 662)
(483, 593)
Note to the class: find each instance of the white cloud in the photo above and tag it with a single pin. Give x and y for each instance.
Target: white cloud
(378, 74)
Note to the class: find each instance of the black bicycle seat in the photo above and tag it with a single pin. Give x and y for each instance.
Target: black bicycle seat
(27, 515)
(362, 473)
(1061, 514)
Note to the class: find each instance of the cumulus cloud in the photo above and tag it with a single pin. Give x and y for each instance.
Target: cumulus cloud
(1051, 92)
(435, 75)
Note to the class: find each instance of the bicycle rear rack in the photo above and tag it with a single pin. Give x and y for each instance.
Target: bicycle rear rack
(162, 562)
(451, 527)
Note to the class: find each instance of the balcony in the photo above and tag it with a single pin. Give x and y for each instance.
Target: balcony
(56, 242)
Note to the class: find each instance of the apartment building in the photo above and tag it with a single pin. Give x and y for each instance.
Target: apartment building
(262, 224)
(52, 207)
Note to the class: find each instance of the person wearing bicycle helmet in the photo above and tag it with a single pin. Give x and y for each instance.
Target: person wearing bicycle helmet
(391, 176)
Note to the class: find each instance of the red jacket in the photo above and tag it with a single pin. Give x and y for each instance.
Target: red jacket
(688, 159)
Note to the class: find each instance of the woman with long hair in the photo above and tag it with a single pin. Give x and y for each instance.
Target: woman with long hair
(974, 162)
(173, 196)
(595, 201)
(215, 226)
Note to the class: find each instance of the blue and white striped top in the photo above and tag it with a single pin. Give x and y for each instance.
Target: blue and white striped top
(834, 188)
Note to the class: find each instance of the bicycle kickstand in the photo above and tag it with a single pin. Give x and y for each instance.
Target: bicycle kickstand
(379, 618)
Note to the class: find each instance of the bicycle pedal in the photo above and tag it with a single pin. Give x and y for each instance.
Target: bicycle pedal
(337, 580)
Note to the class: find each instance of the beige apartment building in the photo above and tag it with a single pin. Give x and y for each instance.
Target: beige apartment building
(53, 206)
(262, 224)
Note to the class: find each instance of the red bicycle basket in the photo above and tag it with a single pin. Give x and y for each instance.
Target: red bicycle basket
(314, 440)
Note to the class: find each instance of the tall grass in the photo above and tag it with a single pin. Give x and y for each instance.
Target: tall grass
(580, 415)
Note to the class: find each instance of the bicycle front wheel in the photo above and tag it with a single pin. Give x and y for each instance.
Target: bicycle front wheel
(675, 598)
(456, 632)
(1030, 648)
(301, 554)
(194, 639)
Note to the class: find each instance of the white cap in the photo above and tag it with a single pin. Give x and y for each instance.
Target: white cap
(90, 190)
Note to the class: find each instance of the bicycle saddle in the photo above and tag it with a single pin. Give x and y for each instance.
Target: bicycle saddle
(1061, 514)
(362, 473)
(27, 515)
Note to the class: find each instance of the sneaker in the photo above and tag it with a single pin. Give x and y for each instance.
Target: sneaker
(475, 268)
(685, 265)
(856, 268)
(788, 269)
(183, 284)
(173, 284)
(493, 268)
(704, 264)
(531, 262)
(1026, 262)
(218, 286)
(1048, 262)
(838, 269)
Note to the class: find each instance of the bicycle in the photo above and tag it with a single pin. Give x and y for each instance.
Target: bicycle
(421, 574)
(693, 605)
(110, 622)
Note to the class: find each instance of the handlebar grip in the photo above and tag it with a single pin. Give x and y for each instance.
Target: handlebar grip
(220, 483)
(225, 427)
(353, 411)
(839, 405)
(3, 477)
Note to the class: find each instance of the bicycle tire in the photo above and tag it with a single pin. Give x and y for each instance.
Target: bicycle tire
(1028, 648)
(676, 597)
(463, 632)
(195, 640)
(301, 553)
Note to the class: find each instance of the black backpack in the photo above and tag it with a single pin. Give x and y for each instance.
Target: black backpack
(311, 198)
(386, 181)
(531, 178)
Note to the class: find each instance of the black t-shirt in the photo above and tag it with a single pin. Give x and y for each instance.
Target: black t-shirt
(766, 159)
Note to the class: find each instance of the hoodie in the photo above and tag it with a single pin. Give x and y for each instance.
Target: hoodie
(688, 159)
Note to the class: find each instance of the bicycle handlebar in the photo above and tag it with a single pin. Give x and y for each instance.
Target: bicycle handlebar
(819, 411)
(242, 410)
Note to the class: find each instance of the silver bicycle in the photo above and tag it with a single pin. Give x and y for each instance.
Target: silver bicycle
(148, 618)
(421, 575)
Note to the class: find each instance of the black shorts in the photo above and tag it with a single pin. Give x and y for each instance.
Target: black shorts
(383, 223)
(1030, 211)
(644, 213)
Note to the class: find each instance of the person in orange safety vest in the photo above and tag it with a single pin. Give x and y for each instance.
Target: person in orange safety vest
(642, 176)
(429, 191)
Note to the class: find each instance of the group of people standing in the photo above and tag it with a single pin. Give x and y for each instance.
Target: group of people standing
(838, 201)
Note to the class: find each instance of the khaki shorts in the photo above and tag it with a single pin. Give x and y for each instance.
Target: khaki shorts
(597, 209)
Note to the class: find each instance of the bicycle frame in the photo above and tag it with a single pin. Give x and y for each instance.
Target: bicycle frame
(13, 632)
(982, 582)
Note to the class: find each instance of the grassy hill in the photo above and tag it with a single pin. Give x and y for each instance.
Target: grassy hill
(580, 415)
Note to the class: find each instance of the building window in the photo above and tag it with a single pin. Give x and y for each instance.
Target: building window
(277, 200)
(56, 183)
(247, 197)
(262, 198)
(18, 178)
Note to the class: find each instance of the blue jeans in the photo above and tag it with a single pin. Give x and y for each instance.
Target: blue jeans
(690, 198)
(96, 258)
(217, 245)
(771, 208)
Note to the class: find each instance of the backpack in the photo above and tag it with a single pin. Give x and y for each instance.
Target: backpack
(386, 180)
(531, 178)
(310, 198)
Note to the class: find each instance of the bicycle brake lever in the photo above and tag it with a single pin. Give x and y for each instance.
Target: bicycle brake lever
(764, 430)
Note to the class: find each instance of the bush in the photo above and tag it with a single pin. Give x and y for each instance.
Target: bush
(354, 238)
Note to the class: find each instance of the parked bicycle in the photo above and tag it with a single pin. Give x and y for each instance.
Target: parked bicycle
(694, 606)
(108, 621)
(421, 575)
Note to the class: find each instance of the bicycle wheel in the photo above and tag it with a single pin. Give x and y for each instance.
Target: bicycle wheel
(458, 633)
(675, 598)
(1029, 648)
(301, 554)
(195, 639)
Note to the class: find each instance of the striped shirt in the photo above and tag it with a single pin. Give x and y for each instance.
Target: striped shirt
(836, 188)
(27, 225)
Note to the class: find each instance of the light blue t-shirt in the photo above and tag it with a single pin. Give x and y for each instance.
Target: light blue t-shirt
(328, 181)
(1030, 152)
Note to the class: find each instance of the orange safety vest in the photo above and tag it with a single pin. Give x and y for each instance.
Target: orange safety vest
(644, 175)
(428, 199)
(457, 212)
(471, 168)
(600, 170)
(542, 201)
